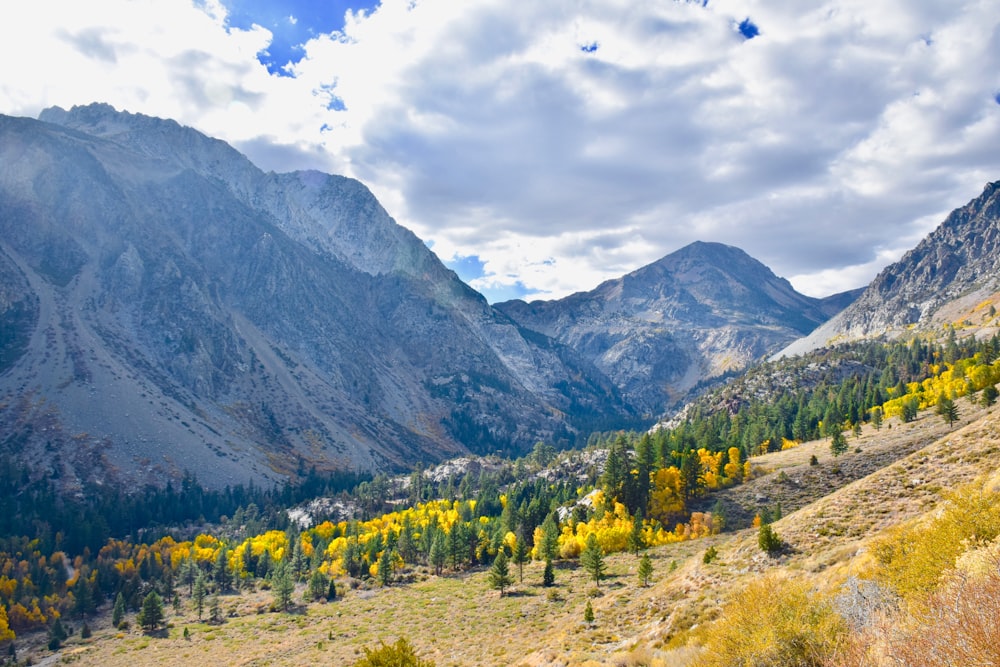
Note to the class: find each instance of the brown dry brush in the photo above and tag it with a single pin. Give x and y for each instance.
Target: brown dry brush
(959, 625)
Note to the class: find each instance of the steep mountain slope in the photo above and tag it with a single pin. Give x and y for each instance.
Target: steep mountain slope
(167, 306)
(951, 277)
(703, 311)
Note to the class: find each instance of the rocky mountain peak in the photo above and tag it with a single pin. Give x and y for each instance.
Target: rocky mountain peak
(949, 279)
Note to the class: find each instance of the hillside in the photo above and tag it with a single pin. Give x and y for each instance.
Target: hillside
(900, 472)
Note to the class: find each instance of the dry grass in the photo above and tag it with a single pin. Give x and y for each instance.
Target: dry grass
(457, 620)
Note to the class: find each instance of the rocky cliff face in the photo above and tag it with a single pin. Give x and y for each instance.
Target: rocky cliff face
(697, 314)
(951, 278)
(167, 306)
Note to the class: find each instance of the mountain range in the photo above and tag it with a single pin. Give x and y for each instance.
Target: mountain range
(167, 307)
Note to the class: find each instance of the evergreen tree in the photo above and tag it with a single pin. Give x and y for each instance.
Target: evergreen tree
(549, 574)
(118, 613)
(215, 610)
(385, 567)
(198, 592)
(220, 571)
(876, 413)
(636, 543)
(948, 410)
(318, 585)
(592, 559)
(57, 635)
(83, 598)
(438, 553)
(838, 443)
(151, 614)
(768, 540)
(189, 572)
(549, 548)
(588, 613)
(989, 396)
(521, 555)
(645, 570)
(282, 585)
(499, 575)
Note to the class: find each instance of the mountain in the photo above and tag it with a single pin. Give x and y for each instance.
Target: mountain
(699, 313)
(951, 279)
(167, 307)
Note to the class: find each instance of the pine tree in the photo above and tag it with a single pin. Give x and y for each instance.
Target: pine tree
(118, 613)
(438, 554)
(385, 567)
(768, 540)
(645, 570)
(948, 410)
(499, 575)
(220, 571)
(838, 444)
(549, 548)
(521, 555)
(636, 543)
(215, 610)
(318, 585)
(592, 559)
(989, 396)
(198, 593)
(877, 418)
(549, 575)
(282, 585)
(588, 613)
(151, 614)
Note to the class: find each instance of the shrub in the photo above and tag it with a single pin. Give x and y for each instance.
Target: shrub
(774, 621)
(400, 654)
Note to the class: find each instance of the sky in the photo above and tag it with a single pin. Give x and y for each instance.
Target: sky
(540, 148)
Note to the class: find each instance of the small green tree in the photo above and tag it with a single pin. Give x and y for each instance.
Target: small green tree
(318, 586)
(282, 585)
(876, 413)
(118, 612)
(838, 444)
(151, 614)
(57, 635)
(948, 410)
(521, 555)
(438, 553)
(636, 542)
(198, 592)
(588, 613)
(215, 610)
(385, 567)
(645, 570)
(911, 406)
(768, 540)
(549, 548)
(549, 574)
(331, 592)
(499, 575)
(989, 396)
(592, 559)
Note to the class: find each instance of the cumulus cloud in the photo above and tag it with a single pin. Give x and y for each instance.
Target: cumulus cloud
(563, 143)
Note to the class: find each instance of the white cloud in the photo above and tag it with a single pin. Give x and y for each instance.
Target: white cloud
(825, 146)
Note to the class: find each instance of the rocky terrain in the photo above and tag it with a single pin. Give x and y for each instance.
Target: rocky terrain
(700, 313)
(952, 278)
(167, 306)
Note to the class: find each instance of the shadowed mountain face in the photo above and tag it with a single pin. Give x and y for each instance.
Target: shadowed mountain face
(168, 307)
(951, 278)
(701, 312)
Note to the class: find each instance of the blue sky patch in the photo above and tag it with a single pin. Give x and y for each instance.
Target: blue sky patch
(748, 29)
(468, 268)
(589, 48)
(997, 98)
(292, 23)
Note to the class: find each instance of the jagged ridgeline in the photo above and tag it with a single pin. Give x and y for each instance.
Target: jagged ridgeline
(169, 307)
